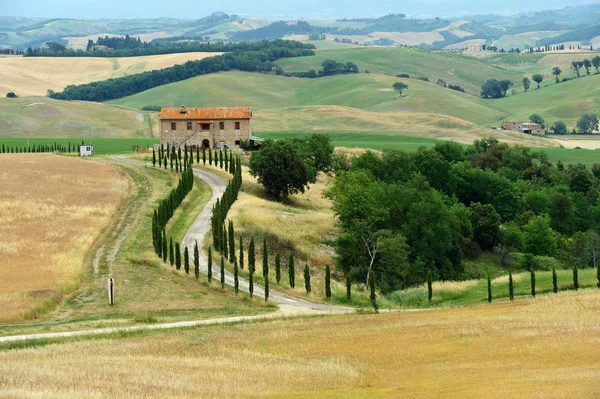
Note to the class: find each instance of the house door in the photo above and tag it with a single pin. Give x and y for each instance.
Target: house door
(205, 143)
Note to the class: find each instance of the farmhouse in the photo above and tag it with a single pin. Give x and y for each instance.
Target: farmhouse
(205, 127)
(474, 47)
(523, 127)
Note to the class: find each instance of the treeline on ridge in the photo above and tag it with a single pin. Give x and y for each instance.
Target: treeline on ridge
(258, 60)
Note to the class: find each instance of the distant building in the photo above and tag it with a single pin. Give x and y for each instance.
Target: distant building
(523, 127)
(100, 48)
(86, 150)
(474, 47)
(205, 127)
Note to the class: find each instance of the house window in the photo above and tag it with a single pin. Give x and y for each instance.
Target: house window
(237, 126)
(88, 148)
(222, 125)
(189, 125)
(173, 126)
(205, 126)
(237, 142)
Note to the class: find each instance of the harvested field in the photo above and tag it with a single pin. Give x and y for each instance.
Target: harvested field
(52, 209)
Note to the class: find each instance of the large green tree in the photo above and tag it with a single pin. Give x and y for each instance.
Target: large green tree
(540, 239)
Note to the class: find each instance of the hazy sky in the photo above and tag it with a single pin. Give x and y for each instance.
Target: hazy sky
(268, 8)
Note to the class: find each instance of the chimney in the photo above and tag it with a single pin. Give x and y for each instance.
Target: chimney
(183, 110)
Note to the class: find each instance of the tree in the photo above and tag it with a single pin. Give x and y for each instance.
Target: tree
(596, 63)
(209, 273)
(575, 277)
(204, 155)
(486, 225)
(587, 124)
(511, 286)
(526, 84)
(537, 78)
(164, 244)
(250, 280)
(559, 127)
(400, 87)
(489, 288)
(349, 288)
(537, 118)
(178, 256)
(307, 285)
(280, 169)
(186, 260)
(241, 253)
(251, 256)
(554, 280)
(556, 72)
(210, 157)
(222, 272)
(587, 65)
(153, 157)
(327, 282)
(494, 88)
(291, 271)
(429, 286)
(532, 282)
(561, 213)
(576, 66)
(278, 268)
(372, 292)
(267, 288)
(11, 94)
(539, 237)
(231, 237)
(236, 278)
(171, 252)
(196, 261)
(265, 265)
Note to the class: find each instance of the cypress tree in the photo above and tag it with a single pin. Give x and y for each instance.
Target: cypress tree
(598, 274)
(327, 282)
(165, 161)
(511, 286)
(372, 291)
(575, 277)
(220, 159)
(267, 288)
(196, 261)
(489, 287)
(231, 243)
(210, 156)
(209, 274)
(226, 162)
(153, 157)
(291, 271)
(177, 256)
(176, 164)
(241, 253)
(222, 272)
(307, 285)
(171, 252)
(232, 164)
(186, 260)
(251, 256)
(198, 155)
(348, 288)
(429, 286)
(278, 268)
(554, 281)
(179, 154)
(224, 242)
(250, 279)
(265, 258)
(236, 280)
(159, 244)
(164, 243)
(532, 282)
(203, 155)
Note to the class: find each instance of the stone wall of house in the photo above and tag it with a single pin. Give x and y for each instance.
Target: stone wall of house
(218, 133)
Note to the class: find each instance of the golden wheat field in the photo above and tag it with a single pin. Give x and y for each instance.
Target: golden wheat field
(33, 76)
(52, 208)
(537, 348)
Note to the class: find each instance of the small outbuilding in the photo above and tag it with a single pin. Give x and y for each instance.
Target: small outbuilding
(86, 150)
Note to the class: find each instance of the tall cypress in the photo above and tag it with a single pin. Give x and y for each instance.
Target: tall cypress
(250, 280)
(203, 156)
(209, 273)
(165, 161)
(224, 242)
(327, 282)
(307, 285)
(291, 271)
(532, 282)
(226, 162)
(348, 288)
(171, 252)
(231, 164)
(489, 288)
(278, 268)
(231, 242)
(196, 261)
(265, 258)
(372, 291)
(198, 155)
(251, 256)
(554, 281)
(598, 274)
(241, 253)
(429, 286)
(575, 277)
(210, 156)
(186, 260)
(177, 256)
(153, 157)
(222, 272)
(267, 288)
(236, 279)
(221, 159)
(511, 286)
(164, 243)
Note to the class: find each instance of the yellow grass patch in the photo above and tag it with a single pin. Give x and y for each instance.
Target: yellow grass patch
(454, 287)
(545, 347)
(51, 210)
(33, 76)
(517, 278)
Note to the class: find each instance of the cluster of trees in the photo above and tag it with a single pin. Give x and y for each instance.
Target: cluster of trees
(286, 167)
(59, 50)
(260, 60)
(10, 51)
(118, 43)
(222, 206)
(174, 158)
(494, 88)
(586, 64)
(403, 215)
(587, 124)
(328, 68)
(55, 147)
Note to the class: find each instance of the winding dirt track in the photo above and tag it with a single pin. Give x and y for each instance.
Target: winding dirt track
(288, 306)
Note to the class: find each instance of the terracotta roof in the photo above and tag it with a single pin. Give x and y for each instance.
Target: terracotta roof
(207, 113)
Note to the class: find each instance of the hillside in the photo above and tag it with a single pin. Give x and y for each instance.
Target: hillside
(45, 117)
(33, 76)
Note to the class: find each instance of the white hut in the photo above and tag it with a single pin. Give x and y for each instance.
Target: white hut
(86, 150)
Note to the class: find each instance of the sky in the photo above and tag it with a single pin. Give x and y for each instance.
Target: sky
(273, 9)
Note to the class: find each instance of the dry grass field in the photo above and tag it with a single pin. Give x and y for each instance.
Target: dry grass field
(52, 209)
(540, 348)
(33, 76)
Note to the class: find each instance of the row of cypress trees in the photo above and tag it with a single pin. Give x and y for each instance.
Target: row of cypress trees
(55, 147)
(179, 161)
(221, 208)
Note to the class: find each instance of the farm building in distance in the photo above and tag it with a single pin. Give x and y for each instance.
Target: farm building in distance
(205, 127)
(86, 150)
(523, 127)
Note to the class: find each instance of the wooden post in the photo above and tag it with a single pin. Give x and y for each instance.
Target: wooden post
(111, 291)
